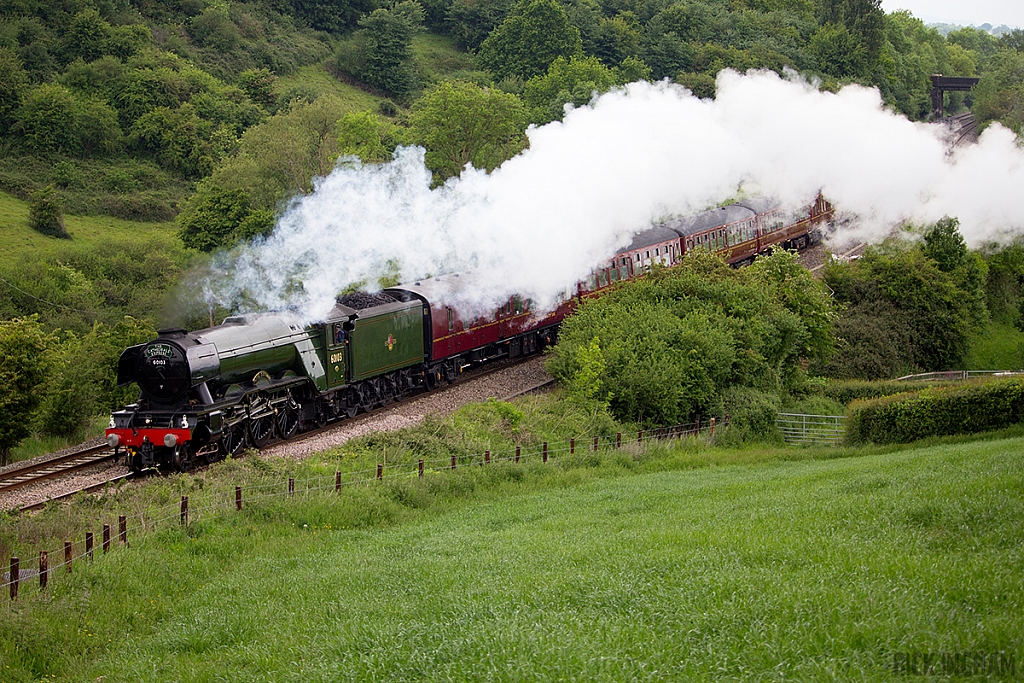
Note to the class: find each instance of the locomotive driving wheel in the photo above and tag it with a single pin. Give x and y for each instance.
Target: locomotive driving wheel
(261, 430)
(287, 422)
(233, 440)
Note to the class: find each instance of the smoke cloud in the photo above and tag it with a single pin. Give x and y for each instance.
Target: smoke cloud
(586, 185)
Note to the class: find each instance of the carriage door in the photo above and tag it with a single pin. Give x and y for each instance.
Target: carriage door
(337, 343)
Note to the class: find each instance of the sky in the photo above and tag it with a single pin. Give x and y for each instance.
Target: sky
(965, 12)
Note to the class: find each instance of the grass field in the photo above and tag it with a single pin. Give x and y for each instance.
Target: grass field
(811, 570)
(21, 242)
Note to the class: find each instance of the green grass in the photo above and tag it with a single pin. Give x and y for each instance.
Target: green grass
(999, 347)
(22, 242)
(803, 570)
(315, 80)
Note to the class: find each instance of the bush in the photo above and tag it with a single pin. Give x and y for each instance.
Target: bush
(45, 213)
(937, 411)
(752, 416)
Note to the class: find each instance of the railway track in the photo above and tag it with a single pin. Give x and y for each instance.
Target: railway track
(50, 468)
(85, 457)
(965, 129)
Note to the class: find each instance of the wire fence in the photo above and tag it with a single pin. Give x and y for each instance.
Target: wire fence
(43, 568)
(806, 430)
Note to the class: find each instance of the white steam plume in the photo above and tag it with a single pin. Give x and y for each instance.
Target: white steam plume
(546, 218)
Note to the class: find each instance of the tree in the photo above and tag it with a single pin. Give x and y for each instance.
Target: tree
(87, 36)
(13, 81)
(48, 120)
(839, 52)
(462, 123)
(258, 85)
(387, 62)
(574, 81)
(172, 136)
(999, 95)
(361, 134)
(533, 35)
(23, 348)
(45, 213)
(926, 311)
(469, 22)
(212, 217)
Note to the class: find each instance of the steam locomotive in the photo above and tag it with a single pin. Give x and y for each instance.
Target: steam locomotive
(211, 393)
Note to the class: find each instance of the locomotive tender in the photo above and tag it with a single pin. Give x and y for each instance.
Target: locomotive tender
(210, 393)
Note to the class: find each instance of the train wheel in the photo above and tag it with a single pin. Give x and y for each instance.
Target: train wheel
(287, 422)
(181, 459)
(261, 430)
(233, 440)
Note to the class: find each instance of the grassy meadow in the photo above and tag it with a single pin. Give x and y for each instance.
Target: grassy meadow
(668, 564)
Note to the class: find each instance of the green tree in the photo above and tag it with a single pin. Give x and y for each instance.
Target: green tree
(999, 95)
(362, 134)
(172, 136)
(258, 85)
(212, 218)
(534, 34)
(839, 52)
(13, 82)
(45, 213)
(23, 347)
(48, 118)
(567, 81)
(387, 37)
(461, 123)
(87, 36)
(469, 22)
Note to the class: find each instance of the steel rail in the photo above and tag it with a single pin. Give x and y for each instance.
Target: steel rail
(85, 489)
(53, 467)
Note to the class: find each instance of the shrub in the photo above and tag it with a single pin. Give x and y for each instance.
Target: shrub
(45, 213)
(937, 411)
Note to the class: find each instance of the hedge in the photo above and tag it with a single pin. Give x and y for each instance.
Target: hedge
(937, 411)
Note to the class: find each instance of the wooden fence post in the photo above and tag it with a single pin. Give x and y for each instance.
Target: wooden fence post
(106, 538)
(639, 437)
(545, 451)
(517, 454)
(712, 427)
(291, 486)
(487, 457)
(618, 439)
(337, 481)
(88, 544)
(184, 511)
(421, 467)
(453, 463)
(238, 497)
(572, 446)
(69, 551)
(15, 563)
(595, 443)
(122, 530)
(44, 569)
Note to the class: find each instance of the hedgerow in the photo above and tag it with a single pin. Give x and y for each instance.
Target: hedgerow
(936, 411)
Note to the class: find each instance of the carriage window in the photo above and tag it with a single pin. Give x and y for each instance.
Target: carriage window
(614, 274)
(592, 282)
(518, 305)
(602, 279)
(638, 257)
(451, 319)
